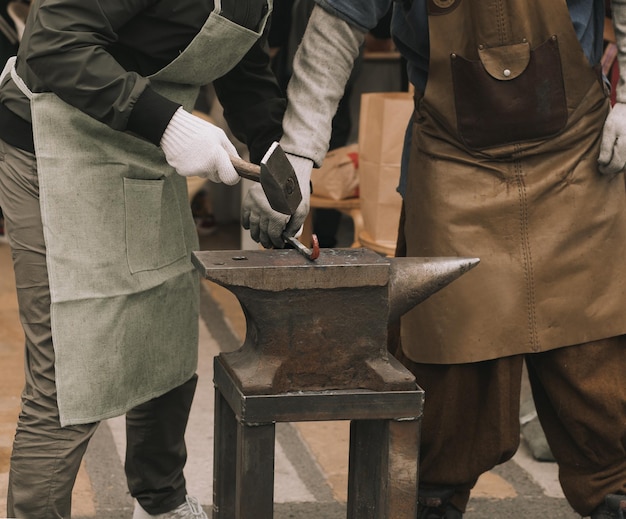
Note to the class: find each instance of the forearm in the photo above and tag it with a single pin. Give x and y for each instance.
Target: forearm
(322, 66)
(619, 24)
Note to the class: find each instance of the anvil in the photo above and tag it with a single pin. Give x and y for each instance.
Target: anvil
(322, 325)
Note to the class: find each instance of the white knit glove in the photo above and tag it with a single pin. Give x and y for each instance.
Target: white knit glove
(268, 226)
(195, 147)
(612, 159)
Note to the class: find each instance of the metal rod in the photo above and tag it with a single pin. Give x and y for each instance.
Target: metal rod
(310, 254)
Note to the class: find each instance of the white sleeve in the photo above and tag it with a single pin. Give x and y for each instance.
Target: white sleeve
(321, 68)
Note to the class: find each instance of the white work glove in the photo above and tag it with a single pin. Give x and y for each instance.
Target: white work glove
(612, 159)
(195, 147)
(268, 226)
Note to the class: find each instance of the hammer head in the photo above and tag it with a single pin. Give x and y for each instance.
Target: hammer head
(279, 181)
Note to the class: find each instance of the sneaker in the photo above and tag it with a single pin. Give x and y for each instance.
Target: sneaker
(614, 507)
(190, 509)
(433, 504)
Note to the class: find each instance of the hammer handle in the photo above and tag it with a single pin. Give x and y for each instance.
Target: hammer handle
(246, 169)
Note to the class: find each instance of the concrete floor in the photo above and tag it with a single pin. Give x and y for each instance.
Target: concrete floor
(311, 458)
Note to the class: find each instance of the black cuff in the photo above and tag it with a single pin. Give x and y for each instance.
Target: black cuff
(151, 115)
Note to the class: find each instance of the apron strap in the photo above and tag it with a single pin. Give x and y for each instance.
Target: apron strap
(7, 68)
(10, 68)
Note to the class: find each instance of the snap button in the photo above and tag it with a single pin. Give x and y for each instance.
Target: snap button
(506, 72)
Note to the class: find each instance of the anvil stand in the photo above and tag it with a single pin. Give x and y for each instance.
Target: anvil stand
(315, 350)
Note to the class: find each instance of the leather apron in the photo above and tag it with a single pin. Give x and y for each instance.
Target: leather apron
(504, 168)
(119, 234)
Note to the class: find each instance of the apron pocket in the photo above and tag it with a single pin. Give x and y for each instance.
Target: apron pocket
(154, 230)
(514, 104)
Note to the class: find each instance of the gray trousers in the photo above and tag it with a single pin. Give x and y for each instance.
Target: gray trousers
(46, 457)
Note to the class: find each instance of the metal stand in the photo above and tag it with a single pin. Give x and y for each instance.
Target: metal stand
(384, 447)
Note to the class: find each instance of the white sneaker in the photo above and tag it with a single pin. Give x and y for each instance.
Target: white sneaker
(190, 509)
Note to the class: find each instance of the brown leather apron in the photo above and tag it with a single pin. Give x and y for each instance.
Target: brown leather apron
(504, 168)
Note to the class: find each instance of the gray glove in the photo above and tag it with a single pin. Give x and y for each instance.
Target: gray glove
(268, 226)
(612, 159)
(195, 147)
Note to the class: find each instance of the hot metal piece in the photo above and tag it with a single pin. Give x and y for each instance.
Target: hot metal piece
(311, 254)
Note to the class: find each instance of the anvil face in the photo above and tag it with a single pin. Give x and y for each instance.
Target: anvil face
(276, 270)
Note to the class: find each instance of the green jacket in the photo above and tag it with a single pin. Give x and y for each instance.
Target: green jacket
(102, 68)
(8, 45)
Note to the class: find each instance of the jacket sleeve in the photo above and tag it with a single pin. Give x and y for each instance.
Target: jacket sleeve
(321, 68)
(253, 102)
(64, 47)
(362, 14)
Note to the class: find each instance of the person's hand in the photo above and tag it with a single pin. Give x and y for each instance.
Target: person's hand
(268, 226)
(612, 159)
(195, 147)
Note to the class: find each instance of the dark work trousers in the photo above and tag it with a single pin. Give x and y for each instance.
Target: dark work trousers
(46, 457)
(471, 417)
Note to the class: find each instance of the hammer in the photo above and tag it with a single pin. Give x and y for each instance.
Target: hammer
(277, 178)
(280, 185)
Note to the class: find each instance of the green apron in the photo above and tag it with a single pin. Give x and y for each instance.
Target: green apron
(504, 168)
(119, 234)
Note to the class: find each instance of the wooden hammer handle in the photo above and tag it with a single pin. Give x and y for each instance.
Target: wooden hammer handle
(246, 169)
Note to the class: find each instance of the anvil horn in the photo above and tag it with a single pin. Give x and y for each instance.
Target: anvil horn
(414, 279)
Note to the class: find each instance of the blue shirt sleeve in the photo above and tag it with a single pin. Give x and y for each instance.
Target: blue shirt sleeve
(363, 14)
(588, 20)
